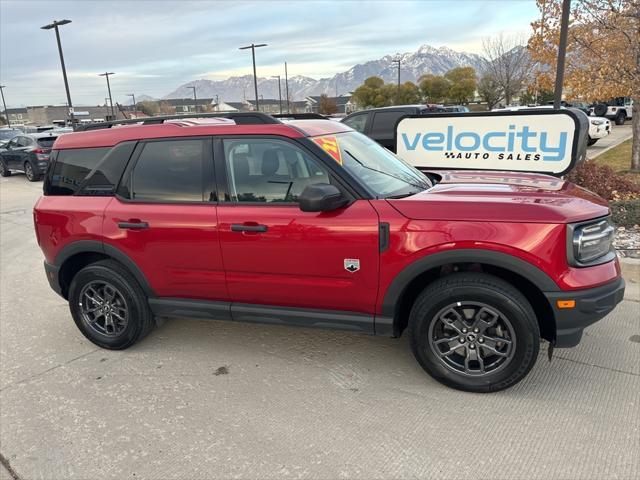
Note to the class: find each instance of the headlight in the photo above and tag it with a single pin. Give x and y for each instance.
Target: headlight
(597, 122)
(590, 243)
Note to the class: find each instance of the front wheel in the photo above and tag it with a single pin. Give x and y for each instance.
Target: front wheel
(474, 332)
(591, 141)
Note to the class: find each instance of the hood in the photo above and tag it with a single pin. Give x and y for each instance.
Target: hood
(502, 197)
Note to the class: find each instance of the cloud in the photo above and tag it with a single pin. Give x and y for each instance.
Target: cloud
(155, 45)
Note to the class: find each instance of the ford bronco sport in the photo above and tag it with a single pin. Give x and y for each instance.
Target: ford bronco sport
(310, 223)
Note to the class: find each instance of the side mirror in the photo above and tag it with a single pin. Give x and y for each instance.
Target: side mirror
(321, 197)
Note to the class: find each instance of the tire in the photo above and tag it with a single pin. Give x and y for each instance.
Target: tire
(122, 291)
(591, 141)
(4, 171)
(30, 172)
(600, 110)
(484, 296)
(621, 117)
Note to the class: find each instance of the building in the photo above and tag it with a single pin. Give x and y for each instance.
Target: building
(59, 114)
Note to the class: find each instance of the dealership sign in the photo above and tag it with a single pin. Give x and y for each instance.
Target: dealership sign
(545, 141)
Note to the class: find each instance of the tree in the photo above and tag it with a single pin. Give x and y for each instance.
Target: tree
(373, 93)
(489, 90)
(462, 84)
(149, 108)
(409, 93)
(533, 96)
(508, 63)
(603, 53)
(327, 106)
(434, 88)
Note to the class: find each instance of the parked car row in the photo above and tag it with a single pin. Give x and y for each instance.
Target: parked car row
(28, 153)
(599, 127)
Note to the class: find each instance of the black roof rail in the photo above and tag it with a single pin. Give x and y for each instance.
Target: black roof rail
(241, 118)
(300, 116)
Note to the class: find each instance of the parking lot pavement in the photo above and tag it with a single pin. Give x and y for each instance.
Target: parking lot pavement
(200, 399)
(619, 133)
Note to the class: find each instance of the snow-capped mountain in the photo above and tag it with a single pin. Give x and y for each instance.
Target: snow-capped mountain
(426, 59)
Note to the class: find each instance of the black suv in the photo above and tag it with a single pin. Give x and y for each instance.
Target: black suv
(28, 153)
(379, 124)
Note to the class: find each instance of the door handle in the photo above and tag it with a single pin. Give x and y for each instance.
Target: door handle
(241, 227)
(133, 225)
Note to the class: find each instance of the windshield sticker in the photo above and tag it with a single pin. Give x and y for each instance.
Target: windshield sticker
(330, 145)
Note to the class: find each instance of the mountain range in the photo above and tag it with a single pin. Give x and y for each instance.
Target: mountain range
(426, 59)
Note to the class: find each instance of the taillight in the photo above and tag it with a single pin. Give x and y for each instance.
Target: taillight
(41, 150)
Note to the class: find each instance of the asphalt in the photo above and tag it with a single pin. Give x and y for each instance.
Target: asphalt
(201, 399)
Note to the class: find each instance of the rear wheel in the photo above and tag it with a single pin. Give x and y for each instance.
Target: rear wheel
(621, 117)
(30, 172)
(474, 332)
(109, 306)
(4, 171)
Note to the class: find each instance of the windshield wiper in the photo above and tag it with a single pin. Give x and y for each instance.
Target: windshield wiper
(421, 187)
(401, 195)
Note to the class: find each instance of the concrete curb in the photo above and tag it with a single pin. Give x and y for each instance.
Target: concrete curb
(600, 152)
(631, 273)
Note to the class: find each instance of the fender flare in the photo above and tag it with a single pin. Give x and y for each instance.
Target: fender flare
(397, 287)
(95, 246)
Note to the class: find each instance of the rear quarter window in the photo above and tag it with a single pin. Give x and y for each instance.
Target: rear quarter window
(70, 168)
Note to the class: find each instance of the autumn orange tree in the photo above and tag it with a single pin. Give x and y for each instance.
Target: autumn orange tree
(603, 53)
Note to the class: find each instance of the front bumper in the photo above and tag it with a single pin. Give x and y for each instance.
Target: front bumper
(591, 305)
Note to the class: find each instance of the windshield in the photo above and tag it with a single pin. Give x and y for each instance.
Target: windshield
(380, 171)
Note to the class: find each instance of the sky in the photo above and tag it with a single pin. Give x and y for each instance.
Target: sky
(154, 46)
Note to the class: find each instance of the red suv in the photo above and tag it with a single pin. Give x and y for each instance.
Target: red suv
(310, 223)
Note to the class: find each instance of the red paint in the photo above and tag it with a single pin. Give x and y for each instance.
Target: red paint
(299, 260)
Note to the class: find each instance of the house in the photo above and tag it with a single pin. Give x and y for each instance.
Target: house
(343, 102)
(185, 106)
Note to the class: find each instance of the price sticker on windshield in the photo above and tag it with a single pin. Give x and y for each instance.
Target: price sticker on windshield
(330, 145)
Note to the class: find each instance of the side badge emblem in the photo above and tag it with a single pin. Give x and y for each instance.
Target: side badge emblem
(352, 264)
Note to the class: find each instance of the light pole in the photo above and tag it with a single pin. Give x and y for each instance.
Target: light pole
(195, 99)
(255, 78)
(279, 92)
(397, 61)
(217, 104)
(55, 24)
(106, 74)
(106, 106)
(134, 100)
(286, 87)
(6, 114)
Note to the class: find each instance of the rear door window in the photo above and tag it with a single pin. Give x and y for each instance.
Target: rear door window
(384, 123)
(357, 122)
(171, 171)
